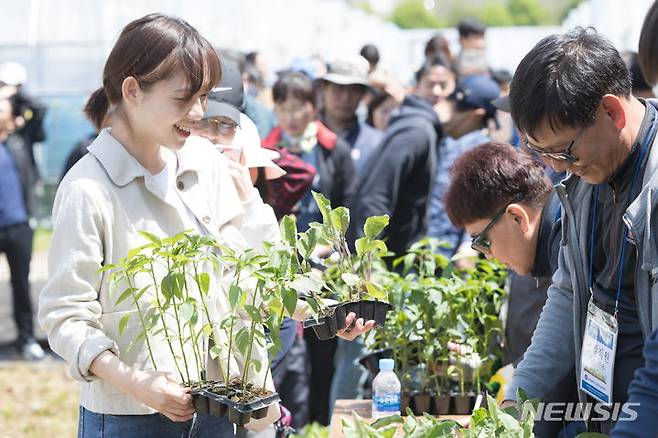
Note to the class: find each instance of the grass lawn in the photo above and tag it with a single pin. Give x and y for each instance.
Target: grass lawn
(37, 400)
(41, 239)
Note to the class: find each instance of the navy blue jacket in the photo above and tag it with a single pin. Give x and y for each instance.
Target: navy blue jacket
(642, 396)
(397, 179)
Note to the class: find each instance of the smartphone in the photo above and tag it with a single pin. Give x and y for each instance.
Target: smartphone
(231, 152)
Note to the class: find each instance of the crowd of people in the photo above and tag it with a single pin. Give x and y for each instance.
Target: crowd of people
(197, 137)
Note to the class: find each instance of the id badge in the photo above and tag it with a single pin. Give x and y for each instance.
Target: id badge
(597, 362)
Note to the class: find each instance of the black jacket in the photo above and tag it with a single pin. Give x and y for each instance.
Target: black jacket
(22, 155)
(398, 178)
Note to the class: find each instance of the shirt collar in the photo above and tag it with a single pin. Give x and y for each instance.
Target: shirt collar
(621, 179)
(123, 168)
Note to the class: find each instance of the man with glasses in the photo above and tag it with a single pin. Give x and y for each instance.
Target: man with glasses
(225, 102)
(504, 200)
(571, 97)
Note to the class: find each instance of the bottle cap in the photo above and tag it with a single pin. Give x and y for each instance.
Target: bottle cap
(386, 364)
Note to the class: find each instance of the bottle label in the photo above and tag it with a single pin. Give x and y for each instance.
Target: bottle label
(386, 402)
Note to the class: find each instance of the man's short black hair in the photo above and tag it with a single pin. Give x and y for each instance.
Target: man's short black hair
(370, 52)
(470, 26)
(293, 85)
(433, 61)
(562, 80)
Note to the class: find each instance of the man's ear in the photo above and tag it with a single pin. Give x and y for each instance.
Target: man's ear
(131, 92)
(520, 216)
(613, 107)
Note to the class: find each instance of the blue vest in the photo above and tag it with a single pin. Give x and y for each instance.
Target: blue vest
(12, 204)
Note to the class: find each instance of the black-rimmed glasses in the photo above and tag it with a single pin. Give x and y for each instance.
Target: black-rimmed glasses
(482, 242)
(564, 156)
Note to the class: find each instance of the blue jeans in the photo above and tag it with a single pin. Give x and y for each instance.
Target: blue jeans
(93, 425)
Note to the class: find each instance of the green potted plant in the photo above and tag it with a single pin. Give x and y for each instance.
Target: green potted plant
(177, 308)
(351, 277)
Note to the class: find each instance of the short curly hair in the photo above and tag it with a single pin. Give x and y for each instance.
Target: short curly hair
(489, 176)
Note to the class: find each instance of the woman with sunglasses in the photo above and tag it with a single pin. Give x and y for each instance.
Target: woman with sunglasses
(505, 201)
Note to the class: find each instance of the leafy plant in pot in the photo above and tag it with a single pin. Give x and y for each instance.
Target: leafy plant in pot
(462, 400)
(181, 309)
(237, 334)
(352, 274)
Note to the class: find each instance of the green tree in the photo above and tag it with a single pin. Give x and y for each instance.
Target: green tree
(494, 14)
(364, 6)
(526, 12)
(410, 14)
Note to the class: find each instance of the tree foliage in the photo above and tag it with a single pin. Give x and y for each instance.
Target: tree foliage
(409, 14)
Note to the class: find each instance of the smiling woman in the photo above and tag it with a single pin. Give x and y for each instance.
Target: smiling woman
(138, 177)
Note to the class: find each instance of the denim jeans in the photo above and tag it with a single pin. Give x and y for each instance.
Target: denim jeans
(93, 425)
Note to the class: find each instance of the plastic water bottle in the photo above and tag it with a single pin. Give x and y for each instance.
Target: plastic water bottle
(385, 390)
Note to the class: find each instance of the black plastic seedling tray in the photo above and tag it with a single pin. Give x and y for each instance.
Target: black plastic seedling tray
(370, 361)
(326, 327)
(208, 403)
(368, 310)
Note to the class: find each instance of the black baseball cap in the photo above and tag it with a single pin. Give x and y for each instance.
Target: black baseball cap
(477, 91)
(226, 99)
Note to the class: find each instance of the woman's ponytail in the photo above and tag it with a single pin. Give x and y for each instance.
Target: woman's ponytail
(96, 107)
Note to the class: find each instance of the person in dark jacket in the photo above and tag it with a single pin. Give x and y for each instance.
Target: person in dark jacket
(17, 179)
(341, 90)
(398, 179)
(79, 150)
(504, 200)
(301, 133)
(467, 128)
(30, 113)
(643, 390)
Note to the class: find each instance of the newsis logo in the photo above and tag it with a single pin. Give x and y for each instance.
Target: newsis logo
(582, 412)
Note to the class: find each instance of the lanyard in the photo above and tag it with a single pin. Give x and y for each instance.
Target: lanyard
(643, 151)
(623, 243)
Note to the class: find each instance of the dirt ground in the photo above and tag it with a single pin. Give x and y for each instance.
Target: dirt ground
(37, 400)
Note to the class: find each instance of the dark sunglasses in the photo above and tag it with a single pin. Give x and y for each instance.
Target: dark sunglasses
(482, 242)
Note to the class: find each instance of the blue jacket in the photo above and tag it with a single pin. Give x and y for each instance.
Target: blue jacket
(557, 341)
(643, 396)
(397, 180)
(438, 224)
(364, 140)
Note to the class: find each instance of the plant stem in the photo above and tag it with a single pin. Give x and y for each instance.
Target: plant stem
(269, 361)
(205, 305)
(195, 345)
(238, 270)
(252, 330)
(180, 330)
(267, 373)
(141, 320)
(164, 325)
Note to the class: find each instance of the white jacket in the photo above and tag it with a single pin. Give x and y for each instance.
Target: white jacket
(100, 206)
